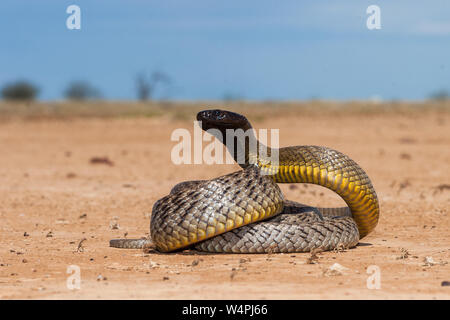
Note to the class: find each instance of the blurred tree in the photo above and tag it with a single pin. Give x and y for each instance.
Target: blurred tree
(440, 95)
(146, 85)
(81, 90)
(20, 90)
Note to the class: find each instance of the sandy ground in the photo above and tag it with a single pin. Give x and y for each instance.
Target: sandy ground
(52, 197)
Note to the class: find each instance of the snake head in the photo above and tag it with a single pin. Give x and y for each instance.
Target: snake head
(222, 120)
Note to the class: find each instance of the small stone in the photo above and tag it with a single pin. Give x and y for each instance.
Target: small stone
(428, 261)
(100, 278)
(195, 262)
(114, 224)
(335, 270)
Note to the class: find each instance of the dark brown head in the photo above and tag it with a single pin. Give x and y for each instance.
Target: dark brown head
(222, 120)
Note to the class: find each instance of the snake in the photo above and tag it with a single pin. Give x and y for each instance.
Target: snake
(246, 212)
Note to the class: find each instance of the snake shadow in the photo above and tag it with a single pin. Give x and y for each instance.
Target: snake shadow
(364, 244)
(193, 252)
(185, 252)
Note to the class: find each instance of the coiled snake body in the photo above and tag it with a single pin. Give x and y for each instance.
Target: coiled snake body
(245, 211)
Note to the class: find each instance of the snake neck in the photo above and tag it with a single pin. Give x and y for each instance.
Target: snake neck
(242, 145)
(238, 136)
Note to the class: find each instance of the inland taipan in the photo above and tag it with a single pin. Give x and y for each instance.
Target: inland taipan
(245, 211)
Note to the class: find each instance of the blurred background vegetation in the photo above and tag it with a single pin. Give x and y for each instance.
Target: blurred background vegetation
(158, 58)
(81, 90)
(19, 90)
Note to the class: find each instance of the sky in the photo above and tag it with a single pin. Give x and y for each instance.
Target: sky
(210, 49)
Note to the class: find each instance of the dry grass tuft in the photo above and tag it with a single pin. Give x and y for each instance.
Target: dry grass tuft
(258, 111)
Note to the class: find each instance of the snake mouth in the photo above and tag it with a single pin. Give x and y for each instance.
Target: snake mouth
(222, 119)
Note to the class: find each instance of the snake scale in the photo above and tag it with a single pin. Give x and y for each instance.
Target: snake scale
(245, 211)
